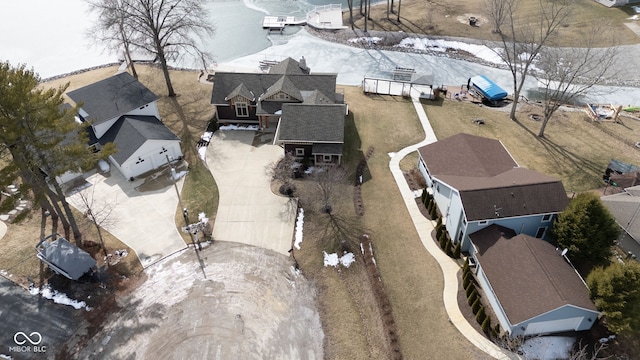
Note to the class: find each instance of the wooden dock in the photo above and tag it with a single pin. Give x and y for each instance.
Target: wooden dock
(279, 22)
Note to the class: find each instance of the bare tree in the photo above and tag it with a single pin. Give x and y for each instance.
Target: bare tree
(113, 29)
(568, 73)
(167, 29)
(337, 223)
(521, 38)
(100, 213)
(283, 171)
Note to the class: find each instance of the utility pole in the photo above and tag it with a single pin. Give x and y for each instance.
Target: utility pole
(185, 212)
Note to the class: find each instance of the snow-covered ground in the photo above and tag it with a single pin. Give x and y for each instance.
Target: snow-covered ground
(64, 48)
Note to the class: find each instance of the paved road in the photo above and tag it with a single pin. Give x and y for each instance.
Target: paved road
(252, 304)
(248, 211)
(22, 312)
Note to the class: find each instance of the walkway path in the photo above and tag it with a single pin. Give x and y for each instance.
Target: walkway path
(424, 227)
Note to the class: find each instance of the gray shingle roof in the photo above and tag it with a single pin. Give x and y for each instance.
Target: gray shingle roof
(528, 275)
(243, 91)
(623, 206)
(326, 149)
(111, 97)
(288, 66)
(283, 85)
(312, 123)
(317, 98)
(130, 132)
(225, 83)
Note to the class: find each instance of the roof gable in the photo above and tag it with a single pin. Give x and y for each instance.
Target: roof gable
(129, 133)
(241, 90)
(528, 276)
(289, 66)
(112, 97)
(283, 85)
(467, 155)
(311, 123)
(225, 83)
(316, 98)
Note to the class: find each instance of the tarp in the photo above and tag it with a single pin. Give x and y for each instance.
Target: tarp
(487, 88)
(65, 258)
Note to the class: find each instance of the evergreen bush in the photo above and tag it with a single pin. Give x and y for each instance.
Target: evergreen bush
(442, 239)
(448, 247)
(465, 267)
(480, 316)
(468, 288)
(486, 325)
(457, 250)
(475, 307)
(473, 297)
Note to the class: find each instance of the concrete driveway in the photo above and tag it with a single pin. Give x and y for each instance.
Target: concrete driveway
(142, 220)
(248, 211)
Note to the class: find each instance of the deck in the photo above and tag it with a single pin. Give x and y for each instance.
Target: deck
(326, 17)
(279, 22)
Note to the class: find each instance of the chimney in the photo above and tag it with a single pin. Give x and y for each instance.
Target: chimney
(303, 65)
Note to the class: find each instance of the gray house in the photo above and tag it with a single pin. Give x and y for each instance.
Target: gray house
(121, 110)
(306, 108)
(476, 183)
(531, 287)
(625, 207)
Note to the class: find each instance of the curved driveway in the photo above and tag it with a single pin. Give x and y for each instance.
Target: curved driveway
(248, 212)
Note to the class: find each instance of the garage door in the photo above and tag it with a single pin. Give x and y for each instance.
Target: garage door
(545, 327)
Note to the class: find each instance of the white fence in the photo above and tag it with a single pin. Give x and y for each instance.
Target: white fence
(386, 87)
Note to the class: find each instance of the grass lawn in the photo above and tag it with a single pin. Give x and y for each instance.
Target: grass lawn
(450, 18)
(574, 150)
(411, 277)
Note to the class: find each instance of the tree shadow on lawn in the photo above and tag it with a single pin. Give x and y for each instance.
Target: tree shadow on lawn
(559, 153)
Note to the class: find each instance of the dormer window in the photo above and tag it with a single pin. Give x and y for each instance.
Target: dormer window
(242, 109)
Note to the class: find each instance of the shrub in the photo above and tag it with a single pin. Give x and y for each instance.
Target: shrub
(480, 316)
(465, 266)
(473, 297)
(433, 213)
(442, 239)
(457, 250)
(448, 247)
(423, 197)
(486, 325)
(468, 289)
(475, 307)
(466, 280)
(497, 329)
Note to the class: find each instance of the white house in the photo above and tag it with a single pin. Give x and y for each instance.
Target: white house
(121, 110)
(476, 183)
(531, 287)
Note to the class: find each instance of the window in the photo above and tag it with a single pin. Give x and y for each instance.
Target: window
(242, 109)
(546, 217)
(541, 232)
(326, 158)
(299, 151)
(140, 160)
(460, 236)
(483, 222)
(464, 221)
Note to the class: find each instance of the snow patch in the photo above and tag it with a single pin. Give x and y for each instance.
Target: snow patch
(548, 347)
(58, 297)
(439, 45)
(202, 152)
(207, 136)
(240, 127)
(202, 217)
(365, 40)
(334, 260)
(417, 193)
(347, 259)
(299, 226)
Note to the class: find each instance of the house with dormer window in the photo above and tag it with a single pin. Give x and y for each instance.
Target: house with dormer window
(122, 111)
(477, 183)
(304, 108)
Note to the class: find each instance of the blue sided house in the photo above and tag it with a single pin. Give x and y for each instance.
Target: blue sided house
(501, 213)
